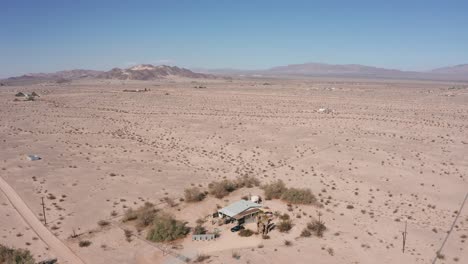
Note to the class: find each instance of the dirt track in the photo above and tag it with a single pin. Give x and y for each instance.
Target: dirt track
(63, 253)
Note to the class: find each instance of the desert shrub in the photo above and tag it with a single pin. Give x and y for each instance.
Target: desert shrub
(265, 236)
(317, 227)
(128, 235)
(193, 195)
(284, 226)
(245, 233)
(298, 196)
(287, 243)
(201, 258)
(84, 243)
(284, 217)
(236, 255)
(144, 215)
(306, 233)
(15, 256)
(274, 190)
(103, 223)
(199, 230)
(129, 215)
(221, 188)
(247, 181)
(166, 228)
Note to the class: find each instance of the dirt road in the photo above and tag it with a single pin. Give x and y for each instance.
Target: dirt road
(63, 253)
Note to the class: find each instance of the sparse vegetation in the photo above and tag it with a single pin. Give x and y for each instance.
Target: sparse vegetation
(200, 258)
(166, 228)
(284, 225)
(317, 227)
(298, 196)
(128, 235)
(246, 181)
(274, 190)
(199, 230)
(245, 233)
(193, 194)
(306, 233)
(144, 215)
(84, 243)
(15, 256)
(278, 190)
(222, 188)
(103, 223)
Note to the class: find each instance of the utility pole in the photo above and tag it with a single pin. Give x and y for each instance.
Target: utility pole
(43, 211)
(404, 236)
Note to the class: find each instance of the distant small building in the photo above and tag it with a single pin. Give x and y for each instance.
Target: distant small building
(241, 211)
(33, 157)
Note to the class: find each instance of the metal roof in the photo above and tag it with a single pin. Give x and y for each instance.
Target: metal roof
(238, 207)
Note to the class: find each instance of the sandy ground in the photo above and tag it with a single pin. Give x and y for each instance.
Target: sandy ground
(394, 150)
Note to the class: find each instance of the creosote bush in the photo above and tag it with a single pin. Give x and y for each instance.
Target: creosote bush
(285, 226)
(193, 194)
(245, 233)
(317, 227)
(199, 230)
(144, 215)
(84, 243)
(306, 233)
(278, 190)
(246, 181)
(166, 228)
(15, 256)
(274, 190)
(298, 196)
(222, 188)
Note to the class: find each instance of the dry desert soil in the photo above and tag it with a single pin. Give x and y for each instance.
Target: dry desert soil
(388, 153)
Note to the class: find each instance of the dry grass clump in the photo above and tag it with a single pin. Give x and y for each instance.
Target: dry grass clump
(246, 233)
(201, 258)
(246, 181)
(274, 190)
(193, 194)
(103, 223)
(166, 228)
(84, 243)
(278, 190)
(222, 188)
(144, 215)
(13, 255)
(306, 233)
(298, 196)
(285, 225)
(199, 230)
(317, 227)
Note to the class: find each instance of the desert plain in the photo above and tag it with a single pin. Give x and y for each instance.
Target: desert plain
(381, 154)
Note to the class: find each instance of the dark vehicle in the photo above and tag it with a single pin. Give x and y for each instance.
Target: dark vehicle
(237, 228)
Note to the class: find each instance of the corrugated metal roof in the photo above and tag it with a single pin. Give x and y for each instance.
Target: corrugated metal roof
(238, 207)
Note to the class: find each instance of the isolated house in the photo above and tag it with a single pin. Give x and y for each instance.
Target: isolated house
(241, 211)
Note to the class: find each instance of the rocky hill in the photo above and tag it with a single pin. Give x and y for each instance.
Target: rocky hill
(151, 72)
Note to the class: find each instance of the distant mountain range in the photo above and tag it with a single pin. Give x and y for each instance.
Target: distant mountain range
(455, 73)
(151, 72)
(139, 72)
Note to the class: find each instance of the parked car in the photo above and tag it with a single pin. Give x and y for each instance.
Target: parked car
(237, 228)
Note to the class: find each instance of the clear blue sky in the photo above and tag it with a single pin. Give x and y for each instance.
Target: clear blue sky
(45, 35)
